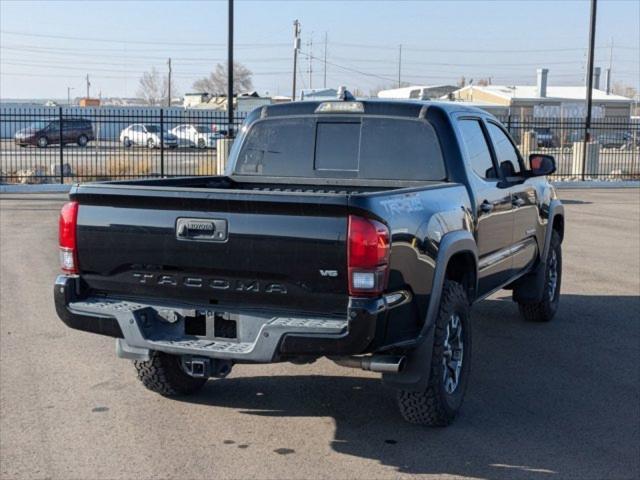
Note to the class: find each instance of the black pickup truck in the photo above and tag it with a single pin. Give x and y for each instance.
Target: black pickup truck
(361, 231)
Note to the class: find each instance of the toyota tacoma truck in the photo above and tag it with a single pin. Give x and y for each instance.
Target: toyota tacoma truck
(361, 231)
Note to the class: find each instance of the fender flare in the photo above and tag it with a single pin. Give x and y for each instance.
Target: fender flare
(555, 208)
(415, 375)
(530, 287)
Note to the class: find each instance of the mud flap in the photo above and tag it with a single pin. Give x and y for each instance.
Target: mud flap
(530, 288)
(414, 377)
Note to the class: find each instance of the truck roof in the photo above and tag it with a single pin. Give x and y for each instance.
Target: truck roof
(404, 108)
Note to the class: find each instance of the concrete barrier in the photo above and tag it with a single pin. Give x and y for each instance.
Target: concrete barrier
(223, 145)
(591, 162)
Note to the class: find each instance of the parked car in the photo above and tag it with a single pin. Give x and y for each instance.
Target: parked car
(545, 137)
(200, 136)
(42, 134)
(146, 135)
(614, 139)
(354, 230)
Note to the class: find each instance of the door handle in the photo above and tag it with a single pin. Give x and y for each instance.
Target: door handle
(486, 207)
(517, 202)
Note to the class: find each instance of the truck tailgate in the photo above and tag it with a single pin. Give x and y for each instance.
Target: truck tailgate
(249, 249)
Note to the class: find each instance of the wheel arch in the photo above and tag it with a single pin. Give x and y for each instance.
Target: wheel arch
(555, 224)
(457, 250)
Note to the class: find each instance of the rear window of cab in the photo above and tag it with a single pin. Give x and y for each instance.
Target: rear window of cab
(364, 147)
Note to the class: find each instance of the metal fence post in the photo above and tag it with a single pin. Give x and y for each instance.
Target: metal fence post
(585, 140)
(161, 142)
(61, 145)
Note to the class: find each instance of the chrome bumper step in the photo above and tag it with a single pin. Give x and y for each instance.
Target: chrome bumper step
(161, 327)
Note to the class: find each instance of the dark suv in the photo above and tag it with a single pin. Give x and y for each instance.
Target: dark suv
(74, 130)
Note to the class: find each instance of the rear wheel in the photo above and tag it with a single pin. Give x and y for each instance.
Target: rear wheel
(126, 141)
(151, 143)
(43, 142)
(202, 143)
(545, 309)
(82, 141)
(440, 402)
(163, 374)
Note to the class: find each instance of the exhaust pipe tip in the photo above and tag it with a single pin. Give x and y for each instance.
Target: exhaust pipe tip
(387, 364)
(374, 363)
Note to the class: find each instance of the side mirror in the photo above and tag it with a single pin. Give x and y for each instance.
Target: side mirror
(541, 165)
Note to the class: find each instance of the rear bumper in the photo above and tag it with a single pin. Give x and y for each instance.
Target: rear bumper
(261, 336)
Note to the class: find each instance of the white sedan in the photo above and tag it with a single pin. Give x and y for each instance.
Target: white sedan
(200, 136)
(146, 135)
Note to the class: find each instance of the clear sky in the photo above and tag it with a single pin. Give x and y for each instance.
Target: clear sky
(47, 46)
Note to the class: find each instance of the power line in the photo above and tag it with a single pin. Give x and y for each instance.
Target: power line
(135, 42)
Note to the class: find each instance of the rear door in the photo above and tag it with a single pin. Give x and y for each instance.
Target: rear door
(493, 206)
(523, 199)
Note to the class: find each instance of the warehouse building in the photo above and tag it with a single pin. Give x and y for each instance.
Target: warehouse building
(544, 101)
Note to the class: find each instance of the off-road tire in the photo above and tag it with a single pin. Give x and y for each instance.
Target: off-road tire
(435, 406)
(545, 309)
(163, 374)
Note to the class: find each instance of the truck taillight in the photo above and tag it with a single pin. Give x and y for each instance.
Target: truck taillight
(367, 256)
(67, 237)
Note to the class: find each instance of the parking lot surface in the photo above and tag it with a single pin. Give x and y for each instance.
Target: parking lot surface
(549, 401)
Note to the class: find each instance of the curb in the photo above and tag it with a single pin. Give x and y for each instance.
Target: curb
(42, 188)
(597, 184)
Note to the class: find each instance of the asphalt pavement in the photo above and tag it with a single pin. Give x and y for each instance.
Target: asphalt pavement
(552, 401)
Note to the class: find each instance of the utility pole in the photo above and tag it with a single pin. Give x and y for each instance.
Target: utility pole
(400, 66)
(88, 85)
(325, 60)
(230, 72)
(169, 84)
(310, 50)
(587, 126)
(69, 95)
(296, 47)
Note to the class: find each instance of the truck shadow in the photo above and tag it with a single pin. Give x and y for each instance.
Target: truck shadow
(544, 401)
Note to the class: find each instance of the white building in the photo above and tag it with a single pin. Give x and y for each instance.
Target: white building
(544, 101)
(418, 92)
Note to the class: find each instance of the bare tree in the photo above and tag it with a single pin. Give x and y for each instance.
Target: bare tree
(153, 87)
(374, 91)
(624, 90)
(216, 82)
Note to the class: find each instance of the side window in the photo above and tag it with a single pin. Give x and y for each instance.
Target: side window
(477, 149)
(506, 154)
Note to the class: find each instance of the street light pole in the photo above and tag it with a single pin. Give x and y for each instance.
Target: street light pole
(69, 95)
(587, 126)
(230, 72)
